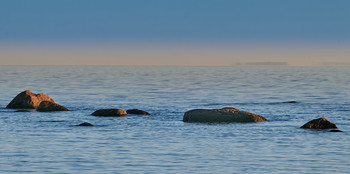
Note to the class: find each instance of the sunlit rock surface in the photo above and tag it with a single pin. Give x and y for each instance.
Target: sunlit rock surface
(221, 115)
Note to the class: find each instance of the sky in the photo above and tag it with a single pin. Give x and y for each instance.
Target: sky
(174, 32)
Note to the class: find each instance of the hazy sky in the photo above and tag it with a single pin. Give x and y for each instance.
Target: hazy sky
(173, 32)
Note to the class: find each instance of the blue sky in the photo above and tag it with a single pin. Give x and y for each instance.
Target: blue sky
(175, 21)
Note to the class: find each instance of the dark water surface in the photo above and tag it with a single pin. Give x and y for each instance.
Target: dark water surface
(33, 142)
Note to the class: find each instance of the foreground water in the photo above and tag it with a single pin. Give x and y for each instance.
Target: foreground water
(34, 142)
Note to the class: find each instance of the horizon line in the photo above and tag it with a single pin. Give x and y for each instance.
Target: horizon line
(233, 65)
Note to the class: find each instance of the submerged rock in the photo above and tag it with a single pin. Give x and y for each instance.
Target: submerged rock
(54, 121)
(137, 111)
(23, 110)
(290, 101)
(28, 100)
(221, 115)
(320, 123)
(110, 113)
(85, 124)
(47, 106)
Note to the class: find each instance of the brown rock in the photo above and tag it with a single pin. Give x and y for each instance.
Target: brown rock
(137, 111)
(320, 123)
(221, 115)
(28, 100)
(47, 106)
(110, 113)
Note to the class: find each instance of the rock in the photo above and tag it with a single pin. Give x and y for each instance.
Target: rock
(54, 121)
(290, 102)
(47, 106)
(335, 130)
(221, 115)
(137, 111)
(321, 123)
(28, 100)
(85, 124)
(110, 113)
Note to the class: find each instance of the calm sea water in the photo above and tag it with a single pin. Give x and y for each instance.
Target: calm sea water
(161, 143)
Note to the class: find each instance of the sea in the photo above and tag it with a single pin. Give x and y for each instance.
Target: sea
(287, 96)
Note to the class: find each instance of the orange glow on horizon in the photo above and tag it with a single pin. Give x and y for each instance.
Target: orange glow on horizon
(176, 54)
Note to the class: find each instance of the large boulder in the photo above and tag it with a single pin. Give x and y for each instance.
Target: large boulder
(221, 115)
(47, 106)
(137, 111)
(28, 100)
(320, 123)
(110, 113)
